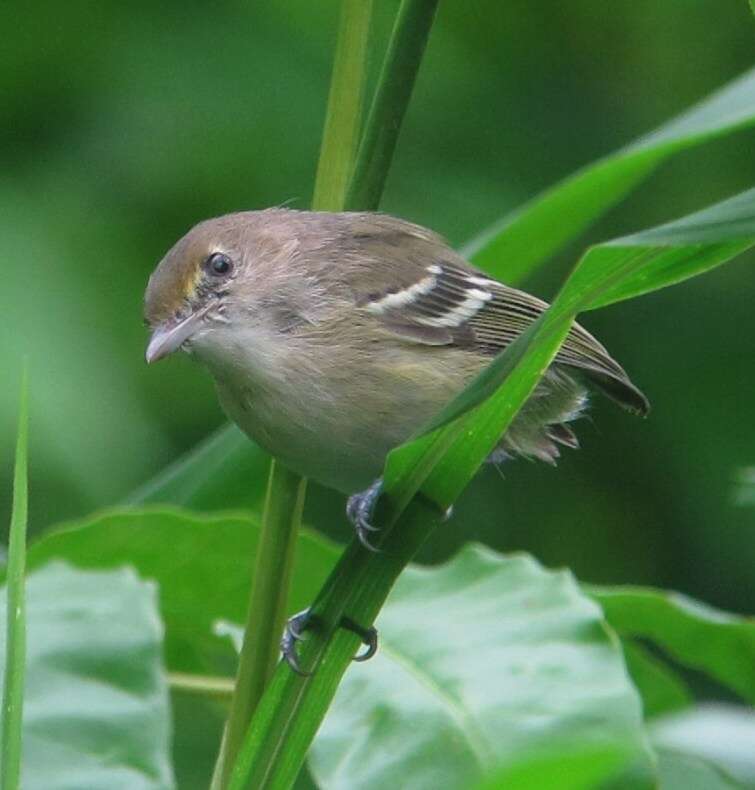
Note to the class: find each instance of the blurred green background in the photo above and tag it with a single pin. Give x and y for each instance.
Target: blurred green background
(124, 124)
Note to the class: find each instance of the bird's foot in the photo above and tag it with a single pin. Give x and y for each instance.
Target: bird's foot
(369, 637)
(292, 633)
(360, 509)
(299, 623)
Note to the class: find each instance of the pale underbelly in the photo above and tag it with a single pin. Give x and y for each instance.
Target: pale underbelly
(344, 453)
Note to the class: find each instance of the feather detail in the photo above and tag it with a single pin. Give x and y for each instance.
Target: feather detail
(454, 304)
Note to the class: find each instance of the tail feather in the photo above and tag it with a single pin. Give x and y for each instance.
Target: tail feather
(563, 434)
(620, 390)
(584, 352)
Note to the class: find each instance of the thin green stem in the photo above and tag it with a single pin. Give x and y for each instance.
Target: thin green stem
(266, 613)
(15, 650)
(405, 50)
(286, 490)
(293, 706)
(340, 136)
(206, 685)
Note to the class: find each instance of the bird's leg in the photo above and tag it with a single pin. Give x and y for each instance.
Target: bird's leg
(300, 622)
(360, 509)
(292, 633)
(369, 637)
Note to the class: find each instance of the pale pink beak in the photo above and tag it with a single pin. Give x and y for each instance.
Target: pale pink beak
(171, 335)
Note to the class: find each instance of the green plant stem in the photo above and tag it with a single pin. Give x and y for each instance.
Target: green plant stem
(267, 603)
(397, 77)
(206, 685)
(293, 706)
(15, 649)
(340, 136)
(286, 490)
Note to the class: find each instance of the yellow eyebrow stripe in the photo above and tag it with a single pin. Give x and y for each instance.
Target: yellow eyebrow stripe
(192, 282)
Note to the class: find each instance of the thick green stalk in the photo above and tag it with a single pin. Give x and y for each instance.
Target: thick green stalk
(293, 706)
(405, 51)
(266, 613)
(15, 646)
(286, 490)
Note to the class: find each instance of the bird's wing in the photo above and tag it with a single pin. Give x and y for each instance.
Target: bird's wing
(452, 304)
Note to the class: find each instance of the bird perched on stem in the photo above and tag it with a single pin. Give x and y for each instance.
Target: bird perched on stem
(333, 337)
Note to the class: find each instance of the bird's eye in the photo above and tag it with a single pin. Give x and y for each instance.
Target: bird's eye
(219, 264)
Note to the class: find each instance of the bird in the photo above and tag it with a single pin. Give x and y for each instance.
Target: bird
(334, 337)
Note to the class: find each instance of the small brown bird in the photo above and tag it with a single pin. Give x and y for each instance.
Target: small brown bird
(332, 338)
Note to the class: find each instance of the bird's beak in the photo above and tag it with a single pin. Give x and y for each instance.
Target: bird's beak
(171, 335)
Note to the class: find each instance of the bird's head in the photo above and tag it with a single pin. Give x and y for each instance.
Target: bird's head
(220, 275)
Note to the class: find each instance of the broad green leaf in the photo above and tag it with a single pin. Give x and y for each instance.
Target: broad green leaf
(483, 662)
(723, 736)
(661, 689)
(688, 772)
(568, 768)
(11, 715)
(226, 470)
(512, 248)
(692, 633)
(97, 712)
(202, 566)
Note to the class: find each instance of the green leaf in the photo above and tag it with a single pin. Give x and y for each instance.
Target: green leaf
(694, 634)
(568, 768)
(652, 259)
(512, 248)
(97, 711)
(226, 470)
(483, 662)
(689, 772)
(720, 735)
(15, 614)
(662, 690)
(202, 566)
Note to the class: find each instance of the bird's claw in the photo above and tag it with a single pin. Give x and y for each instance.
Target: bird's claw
(292, 633)
(360, 509)
(369, 637)
(303, 620)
